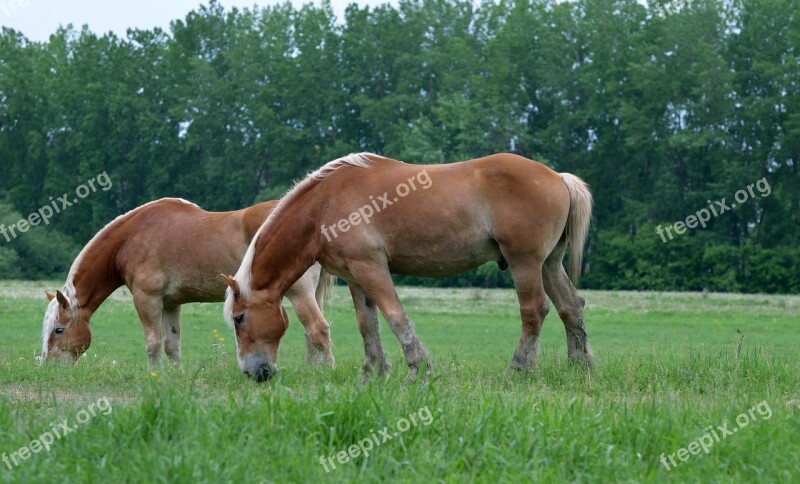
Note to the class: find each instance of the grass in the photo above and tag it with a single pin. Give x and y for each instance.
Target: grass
(670, 365)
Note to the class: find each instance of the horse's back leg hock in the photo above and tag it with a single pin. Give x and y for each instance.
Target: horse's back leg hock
(533, 308)
(570, 307)
(171, 327)
(369, 326)
(377, 283)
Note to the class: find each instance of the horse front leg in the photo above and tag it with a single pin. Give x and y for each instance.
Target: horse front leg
(149, 308)
(377, 284)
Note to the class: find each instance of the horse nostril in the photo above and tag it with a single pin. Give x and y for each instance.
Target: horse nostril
(264, 373)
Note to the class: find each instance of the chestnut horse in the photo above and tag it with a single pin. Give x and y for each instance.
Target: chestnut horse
(170, 252)
(364, 217)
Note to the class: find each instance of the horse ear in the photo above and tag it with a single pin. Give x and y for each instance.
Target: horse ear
(232, 283)
(62, 300)
(50, 297)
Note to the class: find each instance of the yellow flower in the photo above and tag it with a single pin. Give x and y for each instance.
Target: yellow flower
(153, 374)
(222, 340)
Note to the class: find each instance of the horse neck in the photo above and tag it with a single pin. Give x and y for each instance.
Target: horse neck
(96, 277)
(287, 249)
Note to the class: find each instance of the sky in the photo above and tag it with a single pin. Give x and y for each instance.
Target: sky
(37, 19)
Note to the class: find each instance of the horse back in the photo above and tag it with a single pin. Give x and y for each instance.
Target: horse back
(253, 217)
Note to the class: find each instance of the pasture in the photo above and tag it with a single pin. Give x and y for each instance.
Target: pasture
(670, 365)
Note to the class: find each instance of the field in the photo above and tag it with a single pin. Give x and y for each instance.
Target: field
(670, 366)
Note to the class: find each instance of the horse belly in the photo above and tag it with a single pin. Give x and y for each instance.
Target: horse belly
(441, 259)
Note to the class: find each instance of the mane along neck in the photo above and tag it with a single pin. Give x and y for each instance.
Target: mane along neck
(287, 243)
(93, 275)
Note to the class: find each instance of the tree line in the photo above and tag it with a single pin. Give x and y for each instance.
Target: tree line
(661, 116)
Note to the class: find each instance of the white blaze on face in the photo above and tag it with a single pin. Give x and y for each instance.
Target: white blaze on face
(52, 313)
(227, 312)
(49, 324)
(244, 276)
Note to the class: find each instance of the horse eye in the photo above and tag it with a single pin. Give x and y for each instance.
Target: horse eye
(239, 319)
(59, 330)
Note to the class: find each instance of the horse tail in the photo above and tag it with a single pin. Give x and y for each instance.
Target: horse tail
(324, 288)
(580, 215)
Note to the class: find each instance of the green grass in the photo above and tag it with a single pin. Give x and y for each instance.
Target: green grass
(669, 366)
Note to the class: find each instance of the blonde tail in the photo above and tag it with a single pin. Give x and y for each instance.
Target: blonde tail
(580, 215)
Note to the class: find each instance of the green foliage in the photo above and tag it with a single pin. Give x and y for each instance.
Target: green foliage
(229, 107)
(40, 252)
(10, 266)
(689, 262)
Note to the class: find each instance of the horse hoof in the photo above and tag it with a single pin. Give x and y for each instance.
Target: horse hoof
(518, 368)
(582, 359)
(414, 373)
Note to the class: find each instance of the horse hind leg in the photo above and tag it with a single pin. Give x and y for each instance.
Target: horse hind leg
(317, 330)
(171, 328)
(526, 272)
(569, 305)
(369, 326)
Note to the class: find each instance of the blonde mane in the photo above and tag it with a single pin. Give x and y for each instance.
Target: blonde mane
(51, 314)
(244, 276)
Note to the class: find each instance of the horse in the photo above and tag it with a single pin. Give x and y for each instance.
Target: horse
(170, 252)
(364, 217)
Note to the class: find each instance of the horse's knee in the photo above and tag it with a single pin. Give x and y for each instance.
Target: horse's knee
(533, 314)
(153, 350)
(396, 317)
(172, 346)
(365, 327)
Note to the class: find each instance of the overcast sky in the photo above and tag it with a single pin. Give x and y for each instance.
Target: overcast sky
(37, 19)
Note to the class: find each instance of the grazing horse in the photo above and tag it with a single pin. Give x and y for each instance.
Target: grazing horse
(364, 217)
(170, 252)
